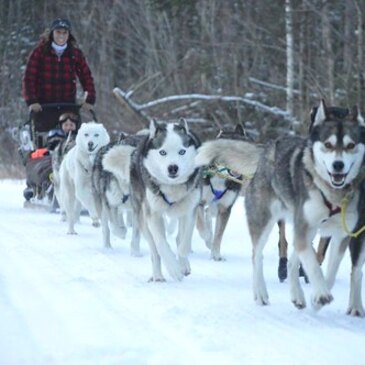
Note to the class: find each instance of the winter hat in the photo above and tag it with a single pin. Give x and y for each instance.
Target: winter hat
(61, 23)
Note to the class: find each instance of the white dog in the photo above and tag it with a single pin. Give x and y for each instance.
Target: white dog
(75, 173)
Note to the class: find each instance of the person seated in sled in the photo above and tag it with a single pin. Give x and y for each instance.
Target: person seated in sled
(39, 164)
(69, 122)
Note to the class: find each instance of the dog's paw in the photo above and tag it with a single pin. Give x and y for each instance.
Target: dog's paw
(96, 223)
(175, 272)
(185, 266)
(262, 300)
(261, 297)
(260, 293)
(321, 299)
(356, 312)
(299, 304)
(159, 279)
(297, 297)
(217, 257)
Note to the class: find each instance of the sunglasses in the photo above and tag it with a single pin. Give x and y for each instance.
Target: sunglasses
(63, 118)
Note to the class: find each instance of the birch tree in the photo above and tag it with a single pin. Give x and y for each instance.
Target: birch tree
(289, 57)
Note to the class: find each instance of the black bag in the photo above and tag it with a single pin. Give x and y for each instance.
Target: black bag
(39, 171)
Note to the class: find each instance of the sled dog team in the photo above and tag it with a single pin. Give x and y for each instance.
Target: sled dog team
(164, 174)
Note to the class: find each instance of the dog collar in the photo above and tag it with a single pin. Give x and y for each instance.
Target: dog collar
(333, 210)
(165, 199)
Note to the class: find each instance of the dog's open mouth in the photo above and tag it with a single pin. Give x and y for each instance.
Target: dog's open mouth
(92, 148)
(338, 180)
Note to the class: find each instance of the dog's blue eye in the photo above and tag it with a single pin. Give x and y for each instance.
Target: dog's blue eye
(86, 134)
(182, 152)
(163, 153)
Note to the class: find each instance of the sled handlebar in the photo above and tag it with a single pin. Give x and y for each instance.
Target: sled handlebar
(61, 106)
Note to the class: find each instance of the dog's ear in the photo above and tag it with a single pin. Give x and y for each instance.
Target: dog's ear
(356, 116)
(219, 135)
(153, 127)
(240, 129)
(183, 125)
(122, 136)
(320, 114)
(312, 116)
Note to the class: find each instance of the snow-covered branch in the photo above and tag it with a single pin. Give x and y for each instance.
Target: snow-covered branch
(139, 108)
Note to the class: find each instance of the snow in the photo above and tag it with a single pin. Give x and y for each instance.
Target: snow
(67, 300)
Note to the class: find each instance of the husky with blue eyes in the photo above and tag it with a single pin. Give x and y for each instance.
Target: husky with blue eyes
(165, 183)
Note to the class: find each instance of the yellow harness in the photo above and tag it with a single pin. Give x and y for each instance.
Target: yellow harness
(344, 204)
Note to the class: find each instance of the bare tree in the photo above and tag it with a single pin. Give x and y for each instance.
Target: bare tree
(290, 57)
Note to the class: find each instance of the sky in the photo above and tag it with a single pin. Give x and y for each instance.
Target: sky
(66, 300)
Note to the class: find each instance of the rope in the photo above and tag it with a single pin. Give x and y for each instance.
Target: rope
(217, 170)
(344, 204)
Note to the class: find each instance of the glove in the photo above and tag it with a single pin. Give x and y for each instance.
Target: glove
(87, 106)
(36, 107)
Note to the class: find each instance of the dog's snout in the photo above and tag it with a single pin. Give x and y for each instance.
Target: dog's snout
(338, 166)
(173, 169)
(90, 144)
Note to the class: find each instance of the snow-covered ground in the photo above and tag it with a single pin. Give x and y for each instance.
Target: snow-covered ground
(66, 300)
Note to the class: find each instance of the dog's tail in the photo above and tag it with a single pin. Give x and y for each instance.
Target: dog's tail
(240, 156)
(117, 161)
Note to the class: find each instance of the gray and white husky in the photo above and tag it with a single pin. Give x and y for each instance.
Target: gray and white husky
(221, 188)
(165, 183)
(111, 185)
(308, 180)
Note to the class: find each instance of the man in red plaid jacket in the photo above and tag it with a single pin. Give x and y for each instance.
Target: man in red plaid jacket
(53, 68)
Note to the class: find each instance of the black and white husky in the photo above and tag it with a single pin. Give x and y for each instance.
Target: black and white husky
(315, 182)
(165, 183)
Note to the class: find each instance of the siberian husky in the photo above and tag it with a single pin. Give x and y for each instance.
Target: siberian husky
(111, 184)
(75, 173)
(309, 180)
(164, 184)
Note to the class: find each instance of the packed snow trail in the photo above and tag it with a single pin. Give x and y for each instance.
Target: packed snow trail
(66, 300)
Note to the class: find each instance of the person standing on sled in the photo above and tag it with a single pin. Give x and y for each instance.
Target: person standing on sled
(51, 75)
(53, 68)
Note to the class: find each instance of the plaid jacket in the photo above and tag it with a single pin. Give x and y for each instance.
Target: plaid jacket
(52, 79)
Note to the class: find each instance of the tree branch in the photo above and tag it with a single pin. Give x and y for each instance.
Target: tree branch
(139, 108)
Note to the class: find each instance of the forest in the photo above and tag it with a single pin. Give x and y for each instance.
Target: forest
(215, 62)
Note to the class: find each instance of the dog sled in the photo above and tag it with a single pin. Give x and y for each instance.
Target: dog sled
(37, 138)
